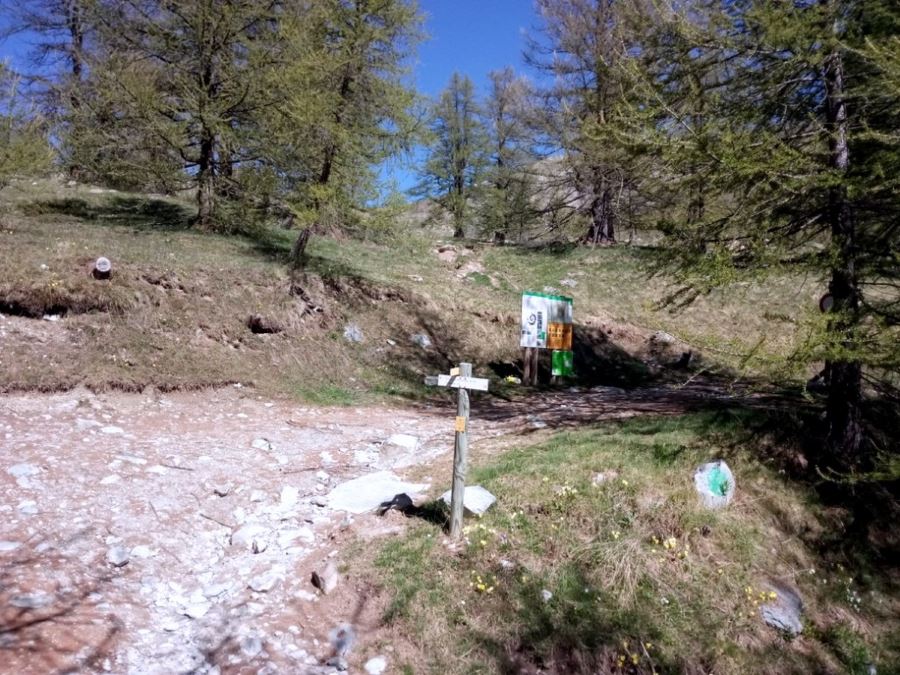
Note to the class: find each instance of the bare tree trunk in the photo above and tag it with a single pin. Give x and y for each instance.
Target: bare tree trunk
(602, 228)
(298, 250)
(845, 383)
(205, 182)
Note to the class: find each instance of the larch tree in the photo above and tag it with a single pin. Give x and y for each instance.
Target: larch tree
(189, 75)
(507, 201)
(24, 134)
(457, 151)
(580, 48)
(802, 172)
(347, 106)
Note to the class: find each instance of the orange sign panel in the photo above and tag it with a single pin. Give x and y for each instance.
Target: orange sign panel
(559, 336)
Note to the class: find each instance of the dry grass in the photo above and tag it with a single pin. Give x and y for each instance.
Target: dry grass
(175, 314)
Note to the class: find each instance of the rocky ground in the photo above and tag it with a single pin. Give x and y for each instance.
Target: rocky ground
(176, 533)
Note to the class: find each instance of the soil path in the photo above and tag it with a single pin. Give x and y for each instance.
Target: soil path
(218, 501)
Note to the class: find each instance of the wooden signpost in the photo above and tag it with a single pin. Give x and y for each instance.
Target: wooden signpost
(461, 379)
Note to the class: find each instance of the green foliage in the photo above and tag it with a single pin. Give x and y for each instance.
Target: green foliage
(24, 145)
(774, 125)
(457, 149)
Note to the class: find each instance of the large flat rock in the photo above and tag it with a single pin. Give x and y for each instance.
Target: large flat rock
(368, 492)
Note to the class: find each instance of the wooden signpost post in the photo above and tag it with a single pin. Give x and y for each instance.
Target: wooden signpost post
(461, 379)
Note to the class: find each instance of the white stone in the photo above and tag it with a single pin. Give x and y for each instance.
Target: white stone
(257, 496)
(546, 595)
(252, 537)
(6, 546)
(112, 430)
(289, 496)
(142, 551)
(287, 537)
(476, 500)
(117, 556)
(23, 470)
(215, 590)
(263, 583)
(376, 665)
(368, 492)
(196, 610)
(109, 480)
(262, 444)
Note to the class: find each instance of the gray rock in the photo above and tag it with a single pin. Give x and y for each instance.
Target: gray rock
(476, 500)
(223, 490)
(338, 663)
(421, 339)
(326, 580)
(571, 283)
(257, 496)
(663, 337)
(28, 506)
(215, 590)
(112, 430)
(353, 333)
(398, 447)
(30, 600)
(117, 556)
(546, 595)
(251, 646)
(7, 546)
(783, 614)
(342, 638)
(142, 551)
(368, 492)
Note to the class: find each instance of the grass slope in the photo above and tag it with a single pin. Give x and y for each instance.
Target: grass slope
(643, 579)
(175, 314)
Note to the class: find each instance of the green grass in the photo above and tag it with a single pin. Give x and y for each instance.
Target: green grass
(635, 560)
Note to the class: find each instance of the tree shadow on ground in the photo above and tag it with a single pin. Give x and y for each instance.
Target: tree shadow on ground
(52, 628)
(140, 213)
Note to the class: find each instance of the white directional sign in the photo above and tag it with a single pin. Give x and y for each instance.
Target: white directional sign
(459, 382)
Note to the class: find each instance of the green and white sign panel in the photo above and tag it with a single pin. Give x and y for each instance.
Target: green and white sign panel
(546, 321)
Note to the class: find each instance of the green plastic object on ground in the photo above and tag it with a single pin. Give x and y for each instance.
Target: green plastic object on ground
(714, 482)
(718, 481)
(562, 364)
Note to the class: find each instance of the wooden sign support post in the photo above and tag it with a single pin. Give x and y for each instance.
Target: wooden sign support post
(460, 378)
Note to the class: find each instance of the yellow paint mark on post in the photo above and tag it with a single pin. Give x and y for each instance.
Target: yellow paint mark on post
(454, 372)
(460, 424)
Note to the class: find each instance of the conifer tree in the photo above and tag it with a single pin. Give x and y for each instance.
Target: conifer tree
(801, 175)
(456, 156)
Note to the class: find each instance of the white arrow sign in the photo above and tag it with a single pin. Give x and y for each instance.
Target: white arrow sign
(459, 382)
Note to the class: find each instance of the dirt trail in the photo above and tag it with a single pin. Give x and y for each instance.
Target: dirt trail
(167, 480)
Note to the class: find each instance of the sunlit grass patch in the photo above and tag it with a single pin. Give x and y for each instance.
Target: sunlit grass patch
(599, 557)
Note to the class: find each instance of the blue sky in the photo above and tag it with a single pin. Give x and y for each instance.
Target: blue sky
(472, 37)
